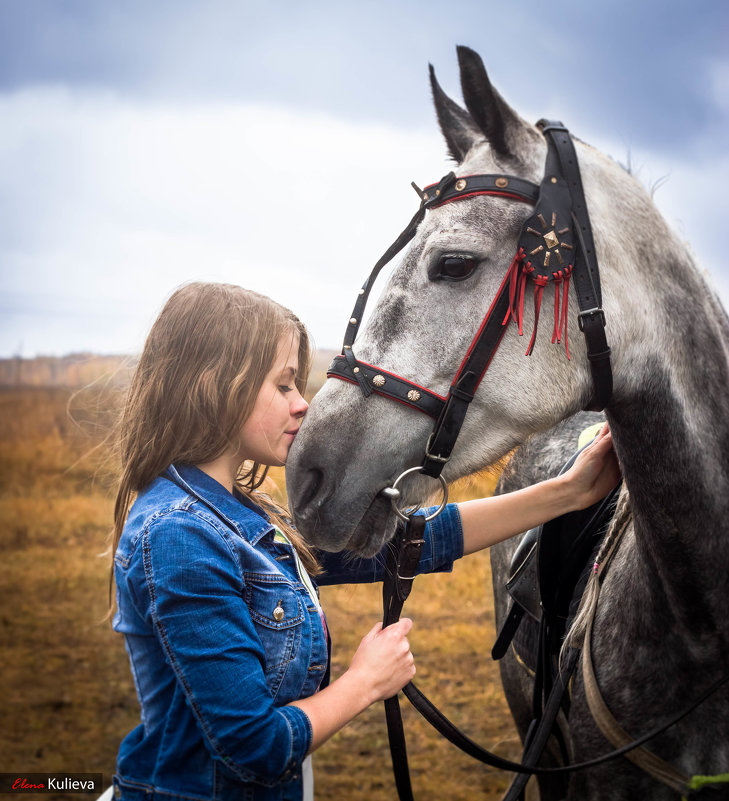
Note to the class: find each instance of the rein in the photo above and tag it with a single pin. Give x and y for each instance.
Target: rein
(402, 559)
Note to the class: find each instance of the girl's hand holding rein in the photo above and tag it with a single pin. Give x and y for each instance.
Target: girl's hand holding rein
(382, 665)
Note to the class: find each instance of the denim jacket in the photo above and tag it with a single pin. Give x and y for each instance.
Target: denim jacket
(222, 634)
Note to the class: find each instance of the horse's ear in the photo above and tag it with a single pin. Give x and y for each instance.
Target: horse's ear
(457, 125)
(494, 117)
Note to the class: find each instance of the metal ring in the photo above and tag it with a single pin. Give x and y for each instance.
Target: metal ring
(405, 514)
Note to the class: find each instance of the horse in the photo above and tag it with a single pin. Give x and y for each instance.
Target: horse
(660, 634)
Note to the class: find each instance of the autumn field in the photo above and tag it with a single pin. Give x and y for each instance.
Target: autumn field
(67, 693)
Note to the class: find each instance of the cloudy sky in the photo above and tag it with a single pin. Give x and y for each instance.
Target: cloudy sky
(145, 143)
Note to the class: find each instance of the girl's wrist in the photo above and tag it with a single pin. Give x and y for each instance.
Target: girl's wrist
(358, 689)
(565, 496)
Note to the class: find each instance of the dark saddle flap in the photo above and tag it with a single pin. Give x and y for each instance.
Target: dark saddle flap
(550, 568)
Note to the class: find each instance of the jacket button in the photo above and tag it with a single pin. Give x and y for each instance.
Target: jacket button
(278, 613)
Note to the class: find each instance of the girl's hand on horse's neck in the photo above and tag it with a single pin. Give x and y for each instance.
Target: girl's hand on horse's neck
(487, 521)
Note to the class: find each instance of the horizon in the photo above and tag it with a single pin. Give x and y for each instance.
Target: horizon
(147, 145)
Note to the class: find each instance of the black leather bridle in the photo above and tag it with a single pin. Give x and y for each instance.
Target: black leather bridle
(555, 245)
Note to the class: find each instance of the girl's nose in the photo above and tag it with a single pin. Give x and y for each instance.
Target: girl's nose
(299, 407)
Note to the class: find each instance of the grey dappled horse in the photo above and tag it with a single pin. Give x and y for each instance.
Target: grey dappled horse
(661, 632)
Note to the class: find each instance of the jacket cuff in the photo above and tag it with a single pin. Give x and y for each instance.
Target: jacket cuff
(301, 738)
(444, 540)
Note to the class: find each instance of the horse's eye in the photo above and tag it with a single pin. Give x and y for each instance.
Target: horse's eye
(454, 267)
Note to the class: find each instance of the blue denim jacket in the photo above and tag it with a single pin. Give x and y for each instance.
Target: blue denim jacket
(198, 577)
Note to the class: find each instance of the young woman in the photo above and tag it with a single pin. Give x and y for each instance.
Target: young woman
(215, 597)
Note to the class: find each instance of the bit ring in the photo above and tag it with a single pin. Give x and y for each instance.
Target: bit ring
(393, 493)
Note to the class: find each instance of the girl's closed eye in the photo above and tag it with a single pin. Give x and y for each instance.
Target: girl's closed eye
(284, 388)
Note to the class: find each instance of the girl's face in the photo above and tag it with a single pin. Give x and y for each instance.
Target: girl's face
(267, 434)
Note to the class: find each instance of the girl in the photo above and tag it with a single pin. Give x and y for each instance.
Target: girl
(215, 597)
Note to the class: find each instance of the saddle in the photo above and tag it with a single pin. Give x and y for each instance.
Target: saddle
(548, 574)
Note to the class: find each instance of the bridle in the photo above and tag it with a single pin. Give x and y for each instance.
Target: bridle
(555, 247)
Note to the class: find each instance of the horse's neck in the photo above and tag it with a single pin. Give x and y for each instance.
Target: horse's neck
(671, 428)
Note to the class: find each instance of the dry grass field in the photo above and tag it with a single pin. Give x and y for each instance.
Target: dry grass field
(68, 696)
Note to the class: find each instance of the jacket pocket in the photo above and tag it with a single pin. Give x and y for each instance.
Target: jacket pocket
(277, 613)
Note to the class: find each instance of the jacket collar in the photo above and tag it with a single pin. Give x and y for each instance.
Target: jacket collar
(238, 511)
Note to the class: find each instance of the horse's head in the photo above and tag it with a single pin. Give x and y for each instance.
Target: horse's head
(351, 447)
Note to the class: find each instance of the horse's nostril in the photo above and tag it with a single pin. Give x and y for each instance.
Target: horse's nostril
(310, 488)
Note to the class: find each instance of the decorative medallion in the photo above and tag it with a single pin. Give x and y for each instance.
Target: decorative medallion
(460, 184)
(502, 183)
(413, 395)
(552, 240)
(379, 380)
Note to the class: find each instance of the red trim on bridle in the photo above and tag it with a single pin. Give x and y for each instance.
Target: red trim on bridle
(477, 336)
(395, 375)
(491, 193)
(392, 397)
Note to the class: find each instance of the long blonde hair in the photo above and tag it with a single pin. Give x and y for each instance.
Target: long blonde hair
(196, 383)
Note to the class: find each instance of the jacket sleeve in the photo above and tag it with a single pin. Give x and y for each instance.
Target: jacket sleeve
(443, 545)
(195, 603)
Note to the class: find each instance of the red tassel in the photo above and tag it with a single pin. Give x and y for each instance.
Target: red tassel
(540, 282)
(565, 301)
(525, 271)
(513, 282)
(556, 334)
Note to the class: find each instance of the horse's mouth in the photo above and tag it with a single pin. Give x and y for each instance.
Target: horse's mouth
(374, 529)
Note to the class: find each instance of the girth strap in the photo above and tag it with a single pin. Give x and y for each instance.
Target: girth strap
(613, 732)
(537, 742)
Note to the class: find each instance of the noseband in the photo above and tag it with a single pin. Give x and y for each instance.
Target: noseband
(555, 246)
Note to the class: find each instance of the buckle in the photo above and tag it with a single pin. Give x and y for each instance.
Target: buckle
(595, 312)
(432, 456)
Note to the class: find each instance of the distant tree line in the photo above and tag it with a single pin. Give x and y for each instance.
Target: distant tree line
(83, 369)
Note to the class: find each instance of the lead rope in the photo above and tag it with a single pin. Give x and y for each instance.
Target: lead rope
(403, 556)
